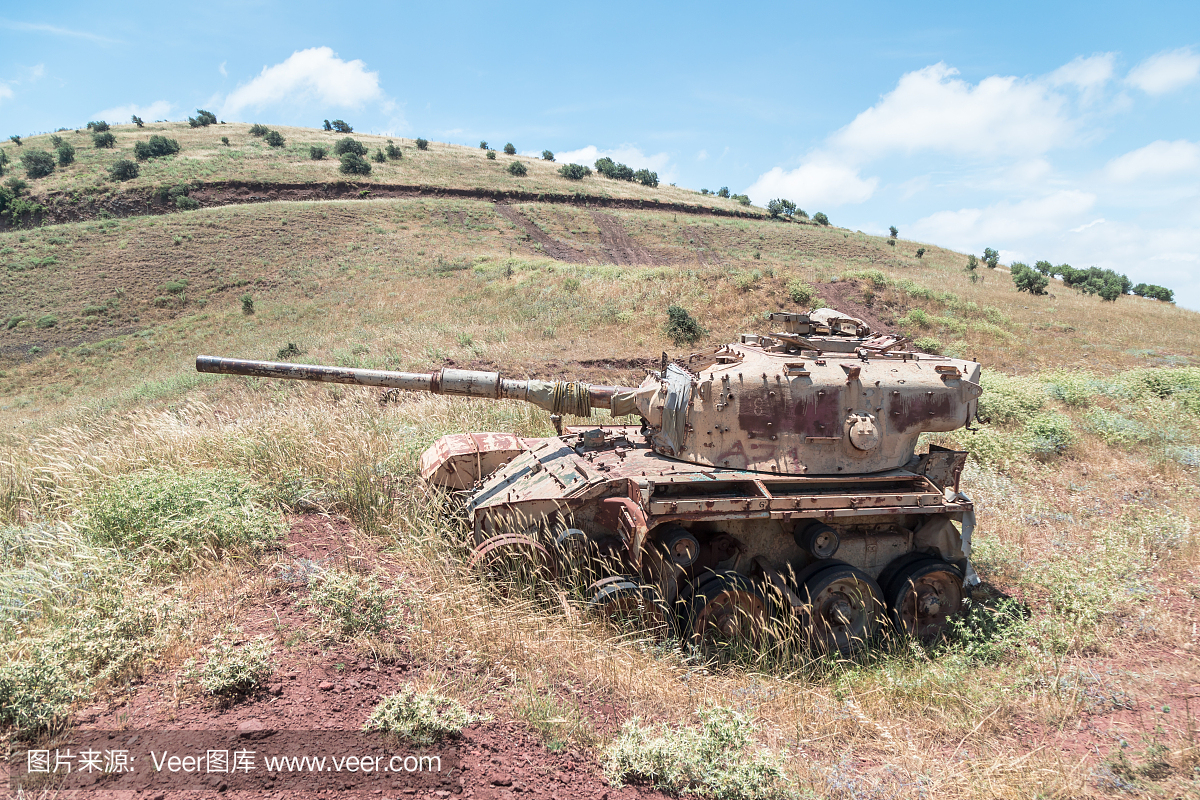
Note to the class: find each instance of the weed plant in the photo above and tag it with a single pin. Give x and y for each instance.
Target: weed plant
(419, 717)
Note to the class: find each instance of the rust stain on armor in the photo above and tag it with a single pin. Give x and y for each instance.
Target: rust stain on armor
(908, 411)
(816, 414)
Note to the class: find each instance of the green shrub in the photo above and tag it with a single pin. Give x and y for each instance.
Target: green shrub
(66, 154)
(745, 281)
(744, 199)
(928, 344)
(317, 153)
(1008, 399)
(341, 126)
(393, 152)
(484, 146)
(248, 304)
(225, 141)
(97, 127)
(491, 154)
(123, 170)
(350, 604)
(800, 292)
(348, 145)
(35, 692)
(517, 168)
(38, 163)
(177, 520)
(16, 185)
(202, 119)
(611, 169)
(15, 140)
(1106, 283)
(914, 318)
(354, 164)
(136, 120)
(893, 231)
(186, 203)
(379, 157)
(259, 130)
(47, 321)
(1044, 267)
(972, 264)
(991, 258)
(274, 139)
(104, 141)
(1116, 429)
(779, 207)
(328, 127)
(231, 669)
(422, 718)
(719, 759)
(422, 144)
(920, 252)
(510, 150)
(1027, 279)
(682, 328)
(646, 178)
(155, 147)
(723, 191)
(574, 172)
(175, 287)
(547, 155)
(820, 218)
(1154, 292)
(1050, 433)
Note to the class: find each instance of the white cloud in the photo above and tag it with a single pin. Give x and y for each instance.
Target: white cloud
(221, 69)
(314, 74)
(1166, 72)
(37, 27)
(159, 109)
(1087, 225)
(625, 154)
(1155, 160)
(818, 183)
(972, 229)
(932, 110)
(1085, 72)
(702, 155)
(5, 92)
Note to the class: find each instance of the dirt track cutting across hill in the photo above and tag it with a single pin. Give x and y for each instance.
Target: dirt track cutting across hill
(71, 208)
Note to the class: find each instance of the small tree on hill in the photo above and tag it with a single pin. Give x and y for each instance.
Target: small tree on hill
(894, 231)
(484, 145)
(99, 126)
(1027, 279)
(348, 145)
(547, 155)
(491, 154)
(723, 191)
(393, 152)
(820, 218)
(15, 140)
(574, 172)
(328, 127)
(354, 164)
(123, 170)
(422, 144)
(781, 208)
(646, 178)
(991, 258)
(274, 139)
(1154, 292)
(341, 126)
(104, 141)
(37, 163)
(682, 328)
(517, 168)
(202, 119)
(317, 153)
(510, 150)
(379, 157)
(920, 252)
(259, 130)
(136, 120)
(66, 154)
(156, 147)
(1044, 267)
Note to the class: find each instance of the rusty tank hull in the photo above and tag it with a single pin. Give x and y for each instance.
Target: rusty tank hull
(773, 478)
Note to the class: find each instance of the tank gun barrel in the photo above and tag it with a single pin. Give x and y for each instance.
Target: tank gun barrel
(557, 397)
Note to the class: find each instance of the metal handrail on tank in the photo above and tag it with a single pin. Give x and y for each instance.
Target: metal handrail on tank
(557, 397)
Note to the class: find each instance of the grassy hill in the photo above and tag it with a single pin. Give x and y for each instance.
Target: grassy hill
(1085, 474)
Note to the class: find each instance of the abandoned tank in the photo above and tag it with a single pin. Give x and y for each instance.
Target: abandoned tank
(771, 479)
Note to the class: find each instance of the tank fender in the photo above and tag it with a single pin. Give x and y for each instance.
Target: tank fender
(626, 518)
(939, 535)
(457, 461)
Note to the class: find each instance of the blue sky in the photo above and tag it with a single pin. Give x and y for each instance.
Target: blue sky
(1068, 132)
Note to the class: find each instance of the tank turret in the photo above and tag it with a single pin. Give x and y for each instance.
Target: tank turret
(777, 476)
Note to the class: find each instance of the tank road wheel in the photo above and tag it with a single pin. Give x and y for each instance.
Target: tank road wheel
(843, 606)
(621, 600)
(514, 557)
(727, 608)
(924, 595)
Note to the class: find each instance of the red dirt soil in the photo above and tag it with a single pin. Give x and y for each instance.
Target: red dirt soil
(330, 691)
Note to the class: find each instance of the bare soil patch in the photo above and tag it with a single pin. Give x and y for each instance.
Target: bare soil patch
(549, 246)
(621, 248)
